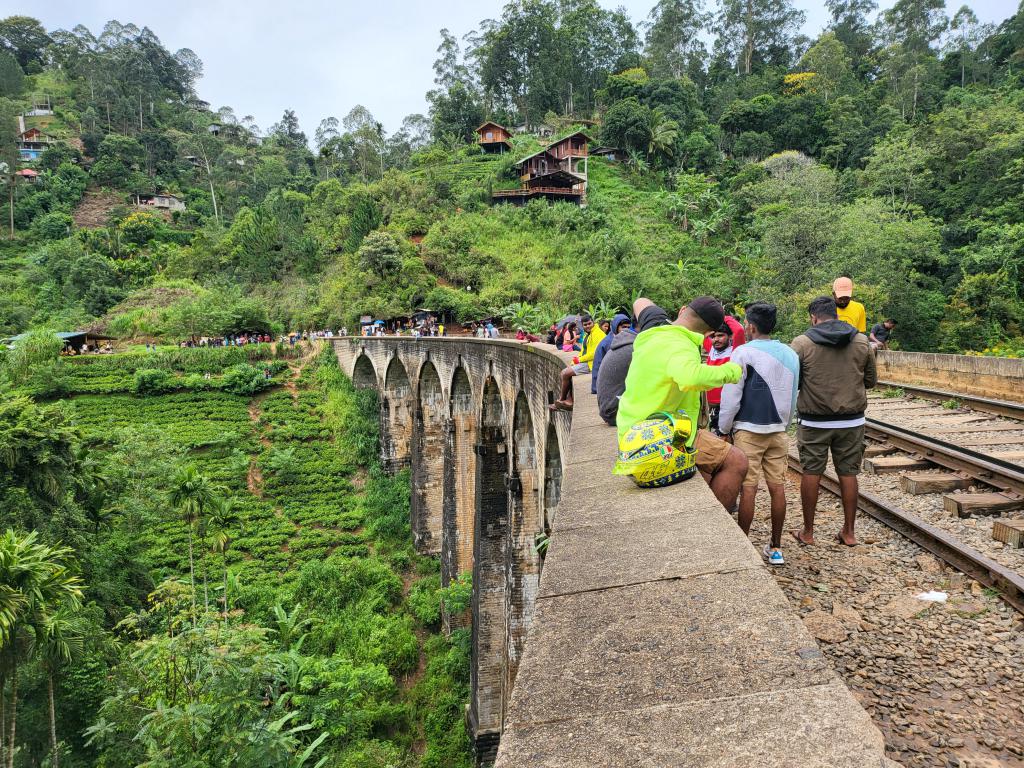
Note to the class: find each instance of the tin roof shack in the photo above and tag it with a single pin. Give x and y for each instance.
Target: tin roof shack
(74, 341)
(494, 139)
(160, 200)
(557, 172)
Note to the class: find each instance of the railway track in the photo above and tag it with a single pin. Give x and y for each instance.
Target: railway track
(941, 681)
(996, 484)
(984, 404)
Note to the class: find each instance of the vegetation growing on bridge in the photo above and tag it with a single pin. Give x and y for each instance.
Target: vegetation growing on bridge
(249, 591)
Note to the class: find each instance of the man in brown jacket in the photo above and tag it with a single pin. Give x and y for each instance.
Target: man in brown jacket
(837, 367)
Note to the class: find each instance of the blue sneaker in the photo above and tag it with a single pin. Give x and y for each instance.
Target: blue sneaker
(773, 555)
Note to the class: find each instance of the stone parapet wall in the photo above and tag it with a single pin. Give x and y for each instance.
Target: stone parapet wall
(993, 377)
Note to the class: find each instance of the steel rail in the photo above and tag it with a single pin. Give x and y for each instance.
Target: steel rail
(943, 545)
(984, 404)
(1003, 475)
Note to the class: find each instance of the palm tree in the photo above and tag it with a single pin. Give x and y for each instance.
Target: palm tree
(34, 578)
(191, 493)
(61, 640)
(222, 519)
(663, 134)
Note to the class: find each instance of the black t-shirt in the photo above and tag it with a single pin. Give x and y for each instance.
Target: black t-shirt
(880, 332)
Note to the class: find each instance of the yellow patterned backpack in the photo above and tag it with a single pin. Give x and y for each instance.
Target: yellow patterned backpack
(654, 451)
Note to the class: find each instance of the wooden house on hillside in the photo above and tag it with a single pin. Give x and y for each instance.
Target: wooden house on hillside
(557, 172)
(493, 138)
(32, 143)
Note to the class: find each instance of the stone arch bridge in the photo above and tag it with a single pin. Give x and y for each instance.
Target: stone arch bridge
(469, 418)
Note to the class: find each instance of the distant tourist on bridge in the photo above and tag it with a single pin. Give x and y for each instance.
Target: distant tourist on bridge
(611, 380)
(666, 375)
(847, 309)
(593, 335)
(837, 367)
(880, 333)
(610, 329)
(757, 410)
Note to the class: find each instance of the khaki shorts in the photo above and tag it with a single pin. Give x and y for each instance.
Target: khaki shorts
(767, 454)
(711, 451)
(846, 444)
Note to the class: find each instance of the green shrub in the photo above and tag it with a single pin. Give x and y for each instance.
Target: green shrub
(244, 379)
(52, 226)
(337, 583)
(424, 601)
(152, 381)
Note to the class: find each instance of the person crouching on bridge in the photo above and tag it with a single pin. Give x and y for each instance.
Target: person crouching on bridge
(580, 365)
(837, 367)
(666, 375)
(757, 411)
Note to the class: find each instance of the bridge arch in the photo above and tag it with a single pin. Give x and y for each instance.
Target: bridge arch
(522, 563)
(552, 477)
(488, 670)
(470, 419)
(459, 505)
(396, 416)
(429, 433)
(364, 375)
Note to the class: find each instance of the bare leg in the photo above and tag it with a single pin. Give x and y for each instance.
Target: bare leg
(747, 495)
(726, 481)
(848, 491)
(566, 394)
(809, 486)
(777, 491)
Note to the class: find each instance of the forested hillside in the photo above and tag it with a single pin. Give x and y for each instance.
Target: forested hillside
(203, 563)
(889, 148)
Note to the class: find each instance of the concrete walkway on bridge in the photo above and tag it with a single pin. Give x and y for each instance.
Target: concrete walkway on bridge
(660, 639)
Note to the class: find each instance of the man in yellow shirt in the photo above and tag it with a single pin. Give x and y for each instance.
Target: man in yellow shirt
(581, 365)
(849, 311)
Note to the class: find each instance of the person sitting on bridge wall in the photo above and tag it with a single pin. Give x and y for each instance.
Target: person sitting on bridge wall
(880, 333)
(837, 367)
(666, 374)
(581, 364)
(757, 411)
(616, 323)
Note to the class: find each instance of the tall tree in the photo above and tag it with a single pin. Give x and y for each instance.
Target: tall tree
(852, 27)
(673, 43)
(966, 35)
(24, 38)
(191, 494)
(828, 60)
(34, 579)
(762, 29)
(61, 640)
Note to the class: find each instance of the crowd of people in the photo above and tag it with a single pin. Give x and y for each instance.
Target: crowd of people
(703, 392)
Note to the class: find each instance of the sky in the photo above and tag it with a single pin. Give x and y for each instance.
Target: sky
(321, 58)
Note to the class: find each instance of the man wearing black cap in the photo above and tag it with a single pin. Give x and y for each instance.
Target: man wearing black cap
(666, 374)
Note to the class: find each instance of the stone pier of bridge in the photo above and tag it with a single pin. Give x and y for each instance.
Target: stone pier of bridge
(647, 633)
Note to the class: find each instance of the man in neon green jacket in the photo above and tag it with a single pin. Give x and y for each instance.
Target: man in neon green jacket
(666, 375)
(581, 365)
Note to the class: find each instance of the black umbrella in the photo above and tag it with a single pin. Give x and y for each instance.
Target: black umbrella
(568, 319)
